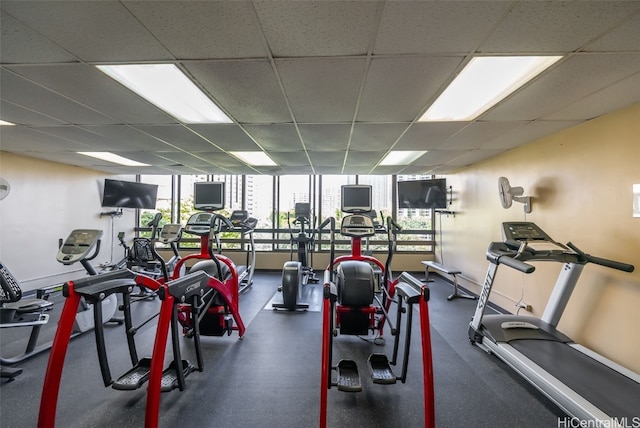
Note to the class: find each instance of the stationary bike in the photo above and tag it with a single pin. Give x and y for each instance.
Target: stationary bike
(297, 274)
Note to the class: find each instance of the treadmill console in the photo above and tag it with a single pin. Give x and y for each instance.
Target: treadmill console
(170, 233)
(357, 225)
(199, 223)
(523, 231)
(77, 245)
(519, 233)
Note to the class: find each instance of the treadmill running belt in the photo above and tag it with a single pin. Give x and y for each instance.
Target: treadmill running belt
(611, 392)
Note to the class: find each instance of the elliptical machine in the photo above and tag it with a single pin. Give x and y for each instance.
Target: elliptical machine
(353, 306)
(297, 274)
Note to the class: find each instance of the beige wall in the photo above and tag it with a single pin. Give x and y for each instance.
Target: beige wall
(47, 201)
(581, 183)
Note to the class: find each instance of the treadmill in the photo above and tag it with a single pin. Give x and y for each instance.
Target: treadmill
(585, 385)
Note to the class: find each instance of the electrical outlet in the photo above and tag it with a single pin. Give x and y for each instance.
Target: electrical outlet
(524, 306)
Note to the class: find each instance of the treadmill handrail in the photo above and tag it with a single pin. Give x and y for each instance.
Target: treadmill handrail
(516, 264)
(625, 267)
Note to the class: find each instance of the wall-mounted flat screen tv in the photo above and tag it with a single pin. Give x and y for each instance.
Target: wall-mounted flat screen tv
(356, 198)
(208, 195)
(422, 194)
(129, 194)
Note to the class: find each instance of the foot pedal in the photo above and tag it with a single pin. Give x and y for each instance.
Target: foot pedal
(348, 376)
(134, 378)
(381, 370)
(170, 375)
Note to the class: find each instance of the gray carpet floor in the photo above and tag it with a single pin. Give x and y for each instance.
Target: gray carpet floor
(271, 378)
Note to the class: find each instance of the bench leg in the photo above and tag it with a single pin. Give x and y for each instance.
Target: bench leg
(456, 293)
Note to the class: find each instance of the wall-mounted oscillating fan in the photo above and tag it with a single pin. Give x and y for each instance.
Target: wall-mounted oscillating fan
(509, 194)
(5, 188)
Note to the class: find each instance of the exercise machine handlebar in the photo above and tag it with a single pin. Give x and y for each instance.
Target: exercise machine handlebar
(516, 264)
(625, 267)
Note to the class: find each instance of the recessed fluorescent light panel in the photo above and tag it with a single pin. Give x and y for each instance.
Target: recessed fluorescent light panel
(482, 84)
(3, 123)
(111, 157)
(254, 158)
(401, 157)
(168, 88)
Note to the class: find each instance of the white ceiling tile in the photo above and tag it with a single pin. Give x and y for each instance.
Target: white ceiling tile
(247, 90)
(225, 136)
(322, 90)
(317, 28)
(571, 80)
(376, 136)
(23, 116)
(277, 137)
(30, 96)
(21, 44)
(428, 135)
(179, 137)
(202, 29)
(436, 27)
(399, 89)
(88, 86)
(90, 30)
(555, 26)
(325, 137)
(611, 98)
(625, 37)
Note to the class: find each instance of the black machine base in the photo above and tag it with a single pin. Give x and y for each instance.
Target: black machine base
(381, 370)
(10, 372)
(348, 376)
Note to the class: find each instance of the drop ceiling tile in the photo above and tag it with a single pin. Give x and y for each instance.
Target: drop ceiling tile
(322, 90)
(616, 96)
(21, 44)
(22, 139)
(290, 158)
(88, 86)
(625, 37)
(219, 159)
(438, 157)
(124, 137)
(473, 156)
(325, 137)
(322, 159)
(15, 114)
(569, 81)
(183, 158)
(376, 136)
(225, 135)
(308, 28)
(180, 137)
(202, 29)
(398, 89)
(276, 137)
(528, 133)
(428, 135)
(368, 158)
(31, 96)
(90, 30)
(478, 134)
(427, 27)
(557, 26)
(247, 90)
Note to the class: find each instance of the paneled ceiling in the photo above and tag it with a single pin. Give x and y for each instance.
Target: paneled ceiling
(324, 87)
